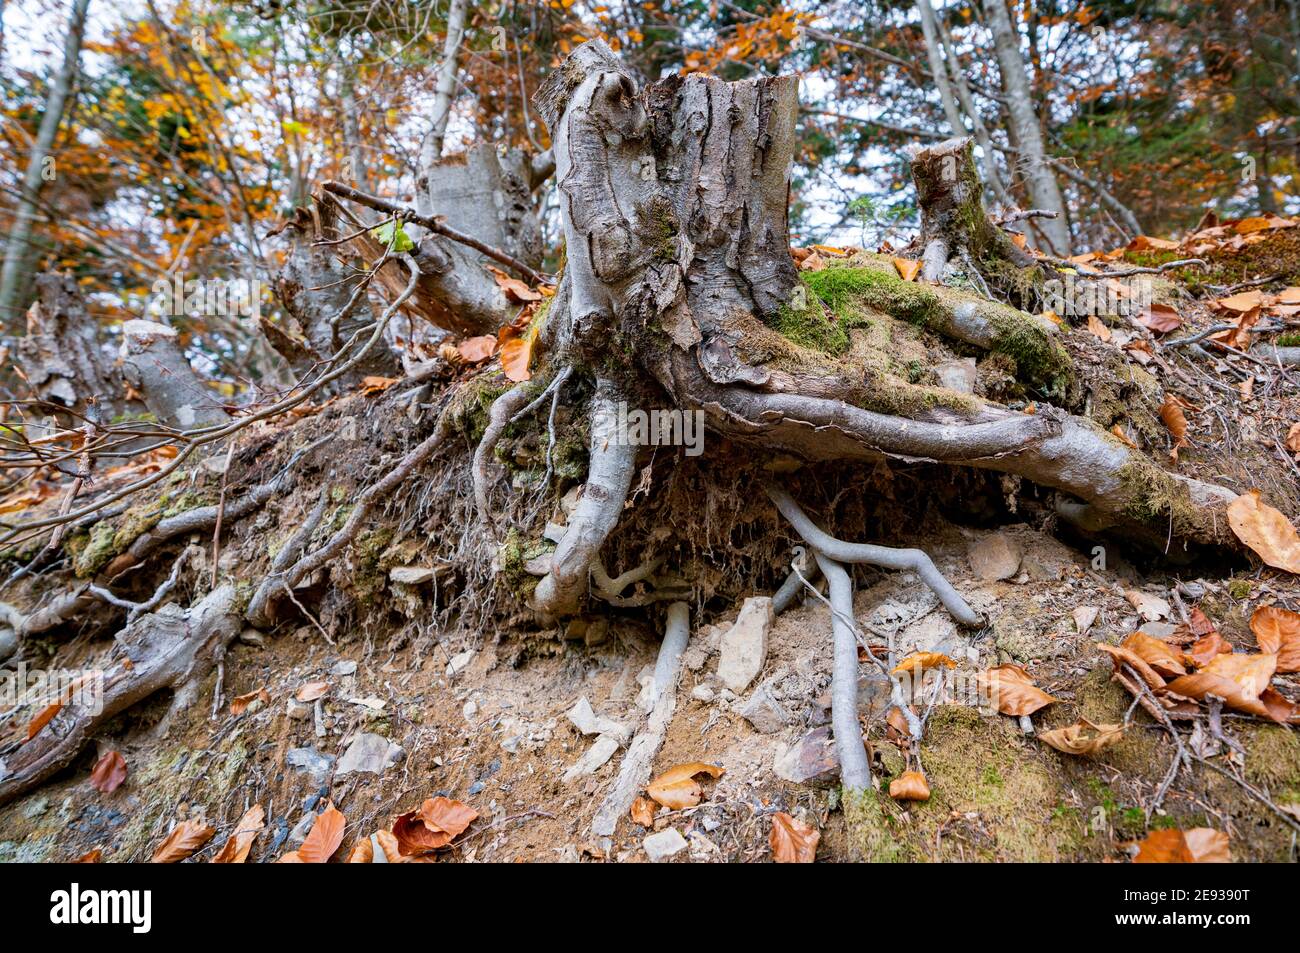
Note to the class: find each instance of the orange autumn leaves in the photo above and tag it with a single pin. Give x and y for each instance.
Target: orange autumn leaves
(515, 342)
(436, 825)
(1267, 532)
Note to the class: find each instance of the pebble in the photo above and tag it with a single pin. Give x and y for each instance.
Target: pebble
(369, 754)
(744, 646)
(663, 845)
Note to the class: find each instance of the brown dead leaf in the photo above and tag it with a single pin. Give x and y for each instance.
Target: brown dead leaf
(923, 662)
(1161, 318)
(374, 384)
(477, 349)
(388, 844)
(1121, 656)
(517, 291)
(1277, 631)
(1267, 532)
(677, 788)
(909, 786)
(42, 719)
(109, 773)
(1293, 438)
(1201, 652)
(1200, 845)
(907, 268)
(1082, 737)
(1118, 431)
(184, 839)
(90, 857)
(1156, 653)
(312, 691)
(324, 837)
(235, 849)
(1098, 329)
(438, 822)
(239, 704)
(443, 815)
(1012, 691)
(814, 262)
(1251, 672)
(1200, 684)
(1171, 413)
(363, 852)
(1241, 303)
(1147, 243)
(643, 811)
(792, 841)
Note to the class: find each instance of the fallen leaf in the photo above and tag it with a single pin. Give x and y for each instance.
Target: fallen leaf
(1251, 672)
(93, 856)
(184, 839)
(444, 815)
(324, 837)
(814, 262)
(1277, 631)
(907, 268)
(1156, 653)
(1082, 737)
(1171, 413)
(1200, 845)
(1147, 243)
(1267, 532)
(239, 704)
(1243, 302)
(517, 291)
(643, 811)
(1200, 684)
(1121, 656)
(437, 823)
(1293, 438)
(1201, 652)
(1161, 318)
(923, 662)
(677, 788)
(909, 786)
(388, 844)
(477, 348)
(235, 849)
(109, 773)
(312, 691)
(517, 355)
(1084, 617)
(792, 841)
(290, 858)
(363, 852)
(42, 719)
(374, 384)
(1098, 330)
(1118, 431)
(1012, 691)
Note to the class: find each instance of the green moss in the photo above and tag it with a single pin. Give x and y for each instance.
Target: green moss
(1273, 760)
(1289, 340)
(514, 554)
(97, 551)
(872, 835)
(474, 402)
(811, 327)
(1153, 496)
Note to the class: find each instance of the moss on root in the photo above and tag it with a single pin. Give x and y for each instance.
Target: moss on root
(1154, 497)
(873, 836)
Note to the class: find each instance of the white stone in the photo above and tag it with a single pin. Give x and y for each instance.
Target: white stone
(601, 750)
(412, 575)
(993, 557)
(665, 844)
(585, 719)
(1084, 617)
(459, 661)
(744, 646)
(369, 754)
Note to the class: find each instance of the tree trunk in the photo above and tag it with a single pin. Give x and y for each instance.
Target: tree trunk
(13, 273)
(929, 28)
(444, 94)
(1044, 193)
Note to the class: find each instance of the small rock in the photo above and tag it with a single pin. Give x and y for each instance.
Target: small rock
(589, 723)
(299, 711)
(764, 712)
(993, 557)
(301, 830)
(957, 375)
(470, 710)
(36, 808)
(811, 758)
(601, 750)
(1158, 630)
(667, 843)
(459, 661)
(314, 763)
(569, 502)
(412, 575)
(538, 565)
(597, 633)
(703, 693)
(344, 667)
(252, 637)
(695, 657)
(1084, 617)
(744, 646)
(369, 754)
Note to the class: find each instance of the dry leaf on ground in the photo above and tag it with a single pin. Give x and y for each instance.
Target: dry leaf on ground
(477, 348)
(907, 268)
(1200, 845)
(1083, 737)
(1012, 691)
(1267, 532)
(312, 691)
(1277, 631)
(185, 838)
(1203, 650)
(235, 849)
(793, 841)
(643, 811)
(324, 837)
(438, 822)
(109, 773)
(239, 704)
(1156, 653)
(677, 788)
(923, 662)
(1171, 413)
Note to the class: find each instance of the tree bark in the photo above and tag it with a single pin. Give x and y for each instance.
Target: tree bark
(443, 96)
(1044, 193)
(13, 273)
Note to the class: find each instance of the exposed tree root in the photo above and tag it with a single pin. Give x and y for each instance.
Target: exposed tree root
(855, 770)
(634, 772)
(171, 648)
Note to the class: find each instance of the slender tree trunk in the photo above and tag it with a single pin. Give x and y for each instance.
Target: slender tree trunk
(931, 31)
(13, 277)
(444, 93)
(1044, 193)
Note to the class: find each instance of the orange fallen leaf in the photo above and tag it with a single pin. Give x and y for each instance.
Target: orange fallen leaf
(324, 837)
(109, 773)
(1012, 691)
(477, 348)
(373, 384)
(1118, 431)
(239, 704)
(923, 662)
(185, 838)
(677, 788)
(436, 824)
(1267, 532)
(793, 841)
(643, 811)
(450, 817)
(236, 848)
(42, 719)
(1203, 650)
(1147, 243)
(312, 691)
(1277, 631)
(1243, 302)
(910, 786)
(1156, 653)
(93, 856)
(1171, 413)
(1200, 845)
(1097, 328)
(1197, 686)
(1252, 672)
(1293, 438)
(1083, 737)
(516, 290)
(1161, 318)
(1121, 656)
(363, 852)
(907, 268)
